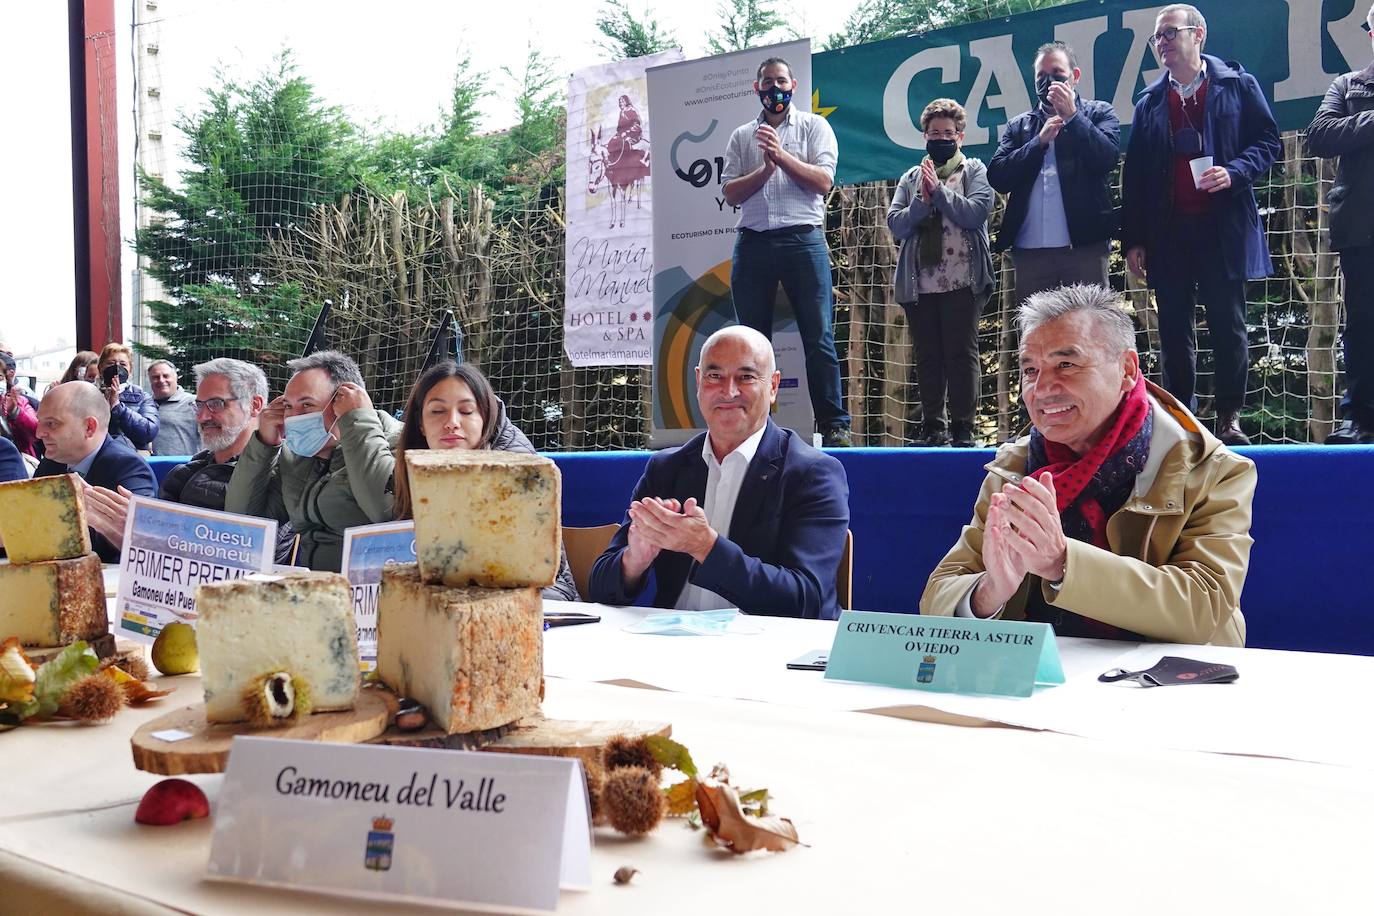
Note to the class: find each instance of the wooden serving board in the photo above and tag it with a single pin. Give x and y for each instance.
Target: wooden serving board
(532, 735)
(103, 646)
(207, 750)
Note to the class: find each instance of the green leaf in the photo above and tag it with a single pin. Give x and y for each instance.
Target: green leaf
(672, 755)
(56, 675)
(755, 802)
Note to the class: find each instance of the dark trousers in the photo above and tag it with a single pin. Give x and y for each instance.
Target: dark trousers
(944, 340)
(1358, 403)
(1039, 269)
(798, 259)
(1189, 268)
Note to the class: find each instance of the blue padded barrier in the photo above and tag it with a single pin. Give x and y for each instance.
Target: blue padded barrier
(1311, 580)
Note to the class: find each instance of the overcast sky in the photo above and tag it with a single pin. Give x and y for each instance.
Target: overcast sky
(390, 64)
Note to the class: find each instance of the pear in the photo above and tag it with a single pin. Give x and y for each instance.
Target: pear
(174, 650)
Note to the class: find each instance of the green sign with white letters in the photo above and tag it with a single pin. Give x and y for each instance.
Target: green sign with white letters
(945, 654)
(873, 94)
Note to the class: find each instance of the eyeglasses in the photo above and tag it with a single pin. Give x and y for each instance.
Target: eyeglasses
(1171, 33)
(215, 405)
(942, 135)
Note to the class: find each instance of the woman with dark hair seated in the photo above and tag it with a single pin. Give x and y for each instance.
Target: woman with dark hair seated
(453, 406)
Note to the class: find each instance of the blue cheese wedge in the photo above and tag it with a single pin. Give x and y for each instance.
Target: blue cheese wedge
(44, 519)
(485, 518)
(53, 603)
(302, 624)
(473, 656)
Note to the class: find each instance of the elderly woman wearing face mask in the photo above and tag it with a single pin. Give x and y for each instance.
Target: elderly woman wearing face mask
(939, 215)
(321, 458)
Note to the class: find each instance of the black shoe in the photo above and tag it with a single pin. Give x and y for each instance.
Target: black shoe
(1351, 432)
(1228, 429)
(839, 437)
(961, 436)
(931, 438)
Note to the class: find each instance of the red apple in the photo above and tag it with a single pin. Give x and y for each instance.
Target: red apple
(171, 802)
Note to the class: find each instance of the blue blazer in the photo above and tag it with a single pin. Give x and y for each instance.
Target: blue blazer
(1238, 132)
(12, 466)
(115, 465)
(786, 535)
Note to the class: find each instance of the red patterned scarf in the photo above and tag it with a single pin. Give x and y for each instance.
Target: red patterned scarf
(1088, 488)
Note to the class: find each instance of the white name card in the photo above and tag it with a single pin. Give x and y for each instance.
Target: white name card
(366, 551)
(169, 549)
(489, 831)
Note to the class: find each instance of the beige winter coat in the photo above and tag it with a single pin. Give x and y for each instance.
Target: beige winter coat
(1180, 545)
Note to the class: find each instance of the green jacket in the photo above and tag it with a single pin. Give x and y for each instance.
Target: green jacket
(321, 496)
(1180, 546)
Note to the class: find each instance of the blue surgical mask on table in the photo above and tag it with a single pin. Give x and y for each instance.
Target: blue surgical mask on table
(306, 433)
(691, 623)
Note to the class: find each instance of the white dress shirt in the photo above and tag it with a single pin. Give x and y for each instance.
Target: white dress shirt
(723, 481)
(781, 202)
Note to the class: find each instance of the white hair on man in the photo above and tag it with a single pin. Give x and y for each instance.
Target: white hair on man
(1191, 16)
(1113, 328)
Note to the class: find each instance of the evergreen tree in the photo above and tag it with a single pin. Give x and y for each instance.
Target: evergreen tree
(743, 24)
(627, 37)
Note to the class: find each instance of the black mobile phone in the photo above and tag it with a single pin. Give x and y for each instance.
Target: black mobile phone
(811, 661)
(568, 619)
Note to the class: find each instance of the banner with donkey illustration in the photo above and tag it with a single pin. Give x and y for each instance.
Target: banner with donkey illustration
(609, 298)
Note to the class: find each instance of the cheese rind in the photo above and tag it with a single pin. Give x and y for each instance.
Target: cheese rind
(44, 519)
(301, 623)
(53, 603)
(474, 657)
(485, 518)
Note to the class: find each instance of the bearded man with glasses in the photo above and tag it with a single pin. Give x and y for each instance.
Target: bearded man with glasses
(1201, 137)
(1344, 128)
(230, 396)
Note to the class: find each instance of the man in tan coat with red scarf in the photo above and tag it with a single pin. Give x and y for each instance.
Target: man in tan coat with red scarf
(1119, 516)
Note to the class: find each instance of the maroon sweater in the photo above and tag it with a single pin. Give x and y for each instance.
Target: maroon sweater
(1188, 200)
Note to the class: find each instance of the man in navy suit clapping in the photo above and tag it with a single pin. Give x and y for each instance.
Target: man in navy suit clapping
(744, 515)
(74, 423)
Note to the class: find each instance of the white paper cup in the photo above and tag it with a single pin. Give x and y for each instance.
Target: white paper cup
(1200, 165)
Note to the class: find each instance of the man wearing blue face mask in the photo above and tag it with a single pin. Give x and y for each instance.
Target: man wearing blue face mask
(332, 472)
(778, 169)
(1055, 161)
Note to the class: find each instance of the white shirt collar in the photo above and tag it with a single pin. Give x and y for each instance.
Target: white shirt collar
(748, 448)
(1188, 91)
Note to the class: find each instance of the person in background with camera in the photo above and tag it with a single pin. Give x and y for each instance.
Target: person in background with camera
(133, 413)
(19, 413)
(939, 216)
(1056, 161)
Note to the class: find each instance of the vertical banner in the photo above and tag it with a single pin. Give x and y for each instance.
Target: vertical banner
(169, 549)
(608, 301)
(366, 550)
(696, 105)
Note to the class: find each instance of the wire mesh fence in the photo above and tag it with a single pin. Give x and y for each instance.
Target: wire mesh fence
(391, 265)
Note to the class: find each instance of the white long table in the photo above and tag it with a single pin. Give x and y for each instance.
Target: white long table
(899, 814)
(1298, 705)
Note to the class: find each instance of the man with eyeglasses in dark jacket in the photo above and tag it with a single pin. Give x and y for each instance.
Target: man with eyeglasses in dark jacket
(1344, 128)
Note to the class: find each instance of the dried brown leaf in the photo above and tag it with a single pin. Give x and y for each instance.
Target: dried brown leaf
(739, 832)
(135, 691)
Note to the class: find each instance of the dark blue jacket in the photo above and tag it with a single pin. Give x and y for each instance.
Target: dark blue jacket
(1238, 132)
(1086, 152)
(11, 464)
(115, 465)
(786, 535)
(134, 418)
